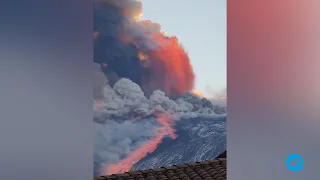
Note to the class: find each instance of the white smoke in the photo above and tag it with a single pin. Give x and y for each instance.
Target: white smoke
(118, 130)
(114, 140)
(126, 99)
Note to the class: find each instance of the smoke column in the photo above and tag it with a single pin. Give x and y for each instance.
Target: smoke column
(138, 50)
(133, 60)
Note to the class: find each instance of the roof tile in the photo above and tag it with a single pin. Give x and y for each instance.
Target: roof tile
(205, 170)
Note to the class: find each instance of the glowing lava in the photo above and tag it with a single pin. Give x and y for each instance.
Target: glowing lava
(126, 164)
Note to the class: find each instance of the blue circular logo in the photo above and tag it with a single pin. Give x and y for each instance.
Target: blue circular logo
(294, 162)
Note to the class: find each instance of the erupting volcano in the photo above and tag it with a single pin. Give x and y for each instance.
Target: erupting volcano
(143, 82)
(126, 164)
(138, 50)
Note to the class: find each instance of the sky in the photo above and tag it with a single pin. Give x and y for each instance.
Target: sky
(201, 28)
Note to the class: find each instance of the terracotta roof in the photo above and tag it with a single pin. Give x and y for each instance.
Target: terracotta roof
(207, 170)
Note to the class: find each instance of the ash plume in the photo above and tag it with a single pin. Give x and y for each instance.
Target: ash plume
(115, 140)
(137, 68)
(138, 50)
(127, 123)
(127, 100)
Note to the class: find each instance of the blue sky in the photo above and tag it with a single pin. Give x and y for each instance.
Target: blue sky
(201, 28)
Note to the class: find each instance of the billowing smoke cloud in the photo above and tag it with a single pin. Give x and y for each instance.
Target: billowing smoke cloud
(115, 140)
(128, 125)
(138, 50)
(136, 69)
(126, 99)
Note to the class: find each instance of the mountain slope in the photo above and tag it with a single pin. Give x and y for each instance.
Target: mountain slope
(198, 139)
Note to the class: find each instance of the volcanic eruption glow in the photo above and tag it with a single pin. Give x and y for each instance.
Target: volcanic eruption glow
(171, 60)
(126, 164)
(198, 93)
(139, 50)
(139, 66)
